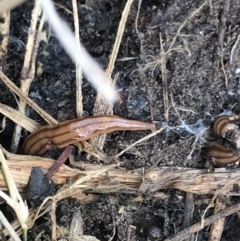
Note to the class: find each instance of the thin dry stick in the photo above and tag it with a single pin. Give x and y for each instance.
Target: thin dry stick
(217, 227)
(118, 41)
(79, 105)
(198, 226)
(191, 15)
(136, 24)
(8, 227)
(233, 49)
(162, 61)
(184, 179)
(60, 161)
(101, 106)
(222, 27)
(63, 7)
(53, 219)
(222, 30)
(224, 71)
(21, 95)
(14, 199)
(76, 226)
(164, 79)
(28, 70)
(20, 119)
(139, 141)
(163, 55)
(211, 204)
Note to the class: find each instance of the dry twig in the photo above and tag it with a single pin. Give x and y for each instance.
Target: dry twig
(218, 226)
(222, 30)
(28, 70)
(101, 106)
(79, 105)
(184, 179)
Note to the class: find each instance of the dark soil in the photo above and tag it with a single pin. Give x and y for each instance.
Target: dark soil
(196, 90)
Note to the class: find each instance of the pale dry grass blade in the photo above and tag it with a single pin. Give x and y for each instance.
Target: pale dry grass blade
(191, 15)
(139, 141)
(164, 79)
(217, 227)
(108, 179)
(8, 5)
(19, 118)
(79, 105)
(28, 70)
(14, 200)
(21, 95)
(76, 226)
(101, 106)
(53, 220)
(9, 227)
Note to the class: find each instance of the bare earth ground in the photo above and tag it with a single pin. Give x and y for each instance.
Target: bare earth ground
(194, 78)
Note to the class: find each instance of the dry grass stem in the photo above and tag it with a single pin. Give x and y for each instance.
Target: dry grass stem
(163, 55)
(224, 71)
(233, 49)
(222, 27)
(8, 5)
(164, 80)
(9, 227)
(191, 15)
(87, 147)
(107, 179)
(216, 194)
(217, 227)
(101, 106)
(139, 141)
(14, 200)
(119, 36)
(19, 118)
(76, 226)
(53, 220)
(136, 24)
(21, 95)
(79, 105)
(63, 7)
(28, 70)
